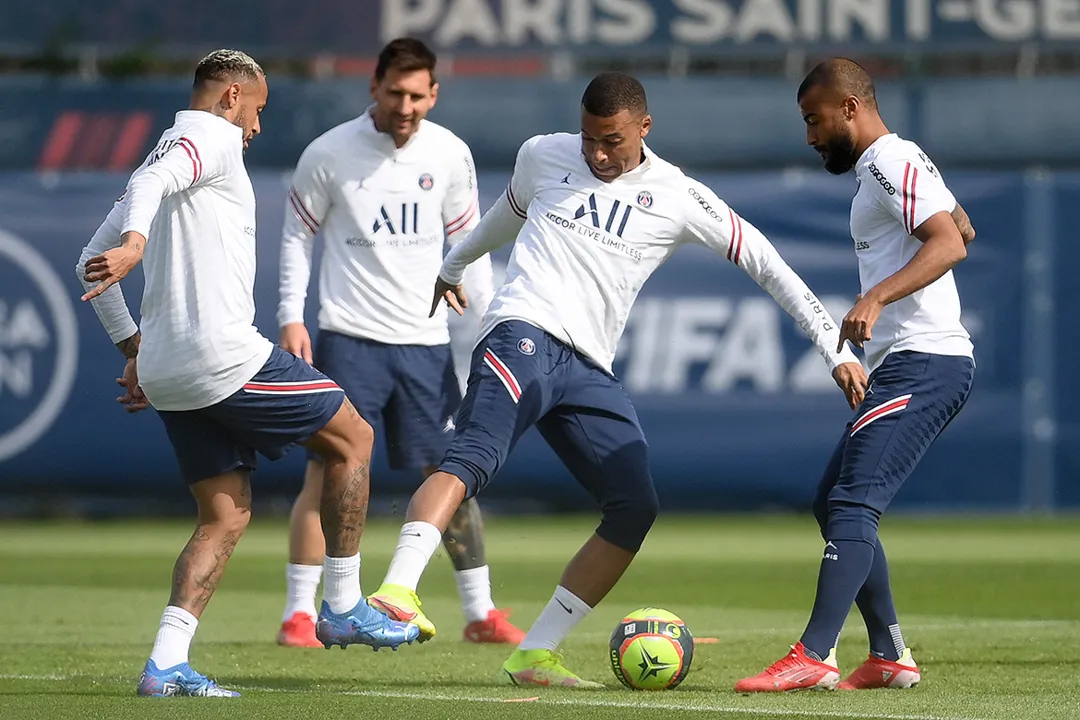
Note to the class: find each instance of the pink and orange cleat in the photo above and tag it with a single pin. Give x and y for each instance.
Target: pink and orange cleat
(794, 671)
(496, 628)
(880, 673)
(298, 631)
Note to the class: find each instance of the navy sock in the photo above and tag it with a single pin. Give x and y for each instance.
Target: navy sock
(875, 602)
(844, 570)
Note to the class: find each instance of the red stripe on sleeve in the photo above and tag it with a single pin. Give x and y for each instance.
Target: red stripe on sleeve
(197, 159)
(300, 214)
(194, 162)
(731, 245)
(461, 222)
(514, 204)
(914, 177)
(738, 248)
(907, 171)
(463, 216)
(301, 209)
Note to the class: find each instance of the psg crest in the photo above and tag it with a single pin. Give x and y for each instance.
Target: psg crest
(644, 199)
(426, 182)
(526, 346)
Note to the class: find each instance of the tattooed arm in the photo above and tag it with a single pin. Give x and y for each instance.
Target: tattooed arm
(130, 346)
(963, 224)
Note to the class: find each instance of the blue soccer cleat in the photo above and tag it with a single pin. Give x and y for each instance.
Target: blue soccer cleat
(178, 680)
(362, 625)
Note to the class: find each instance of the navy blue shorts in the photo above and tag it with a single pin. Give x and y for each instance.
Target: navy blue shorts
(521, 376)
(286, 403)
(412, 389)
(912, 397)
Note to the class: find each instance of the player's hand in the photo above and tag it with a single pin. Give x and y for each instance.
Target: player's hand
(133, 398)
(109, 268)
(296, 340)
(859, 322)
(454, 295)
(851, 378)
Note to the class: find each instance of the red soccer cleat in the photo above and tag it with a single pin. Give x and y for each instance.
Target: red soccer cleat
(298, 631)
(794, 671)
(497, 628)
(880, 673)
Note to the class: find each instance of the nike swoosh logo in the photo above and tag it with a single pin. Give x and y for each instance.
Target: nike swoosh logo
(412, 534)
(564, 606)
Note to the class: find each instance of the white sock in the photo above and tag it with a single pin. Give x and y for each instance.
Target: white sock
(301, 585)
(563, 612)
(173, 637)
(341, 583)
(416, 544)
(474, 587)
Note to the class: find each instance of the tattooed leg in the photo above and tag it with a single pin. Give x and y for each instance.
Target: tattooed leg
(345, 447)
(224, 511)
(464, 536)
(343, 507)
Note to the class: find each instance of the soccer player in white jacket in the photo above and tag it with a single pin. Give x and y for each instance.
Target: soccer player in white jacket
(909, 232)
(383, 192)
(223, 391)
(592, 215)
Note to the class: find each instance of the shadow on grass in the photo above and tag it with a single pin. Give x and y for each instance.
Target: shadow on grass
(255, 683)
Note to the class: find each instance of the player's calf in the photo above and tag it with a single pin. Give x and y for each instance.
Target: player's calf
(224, 507)
(224, 504)
(429, 514)
(344, 445)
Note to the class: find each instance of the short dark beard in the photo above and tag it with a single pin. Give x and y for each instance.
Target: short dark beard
(840, 154)
(238, 121)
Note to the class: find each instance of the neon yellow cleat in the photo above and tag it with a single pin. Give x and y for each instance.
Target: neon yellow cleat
(400, 603)
(545, 668)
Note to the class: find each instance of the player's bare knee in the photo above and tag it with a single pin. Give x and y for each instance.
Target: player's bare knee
(347, 438)
(224, 521)
(224, 503)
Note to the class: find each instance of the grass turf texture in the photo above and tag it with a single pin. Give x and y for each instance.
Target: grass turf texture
(989, 607)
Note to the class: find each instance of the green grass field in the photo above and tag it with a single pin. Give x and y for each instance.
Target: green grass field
(991, 609)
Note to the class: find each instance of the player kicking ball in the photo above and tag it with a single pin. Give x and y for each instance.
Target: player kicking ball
(383, 191)
(909, 233)
(222, 390)
(592, 215)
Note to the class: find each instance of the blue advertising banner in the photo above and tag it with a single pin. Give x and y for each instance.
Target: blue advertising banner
(739, 409)
(594, 24)
(360, 28)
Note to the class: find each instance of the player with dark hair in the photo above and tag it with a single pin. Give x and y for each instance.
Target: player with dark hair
(222, 390)
(592, 214)
(383, 191)
(909, 233)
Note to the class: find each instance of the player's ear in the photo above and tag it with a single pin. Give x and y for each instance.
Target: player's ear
(849, 107)
(374, 88)
(434, 94)
(646, 125)
(235, 91)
